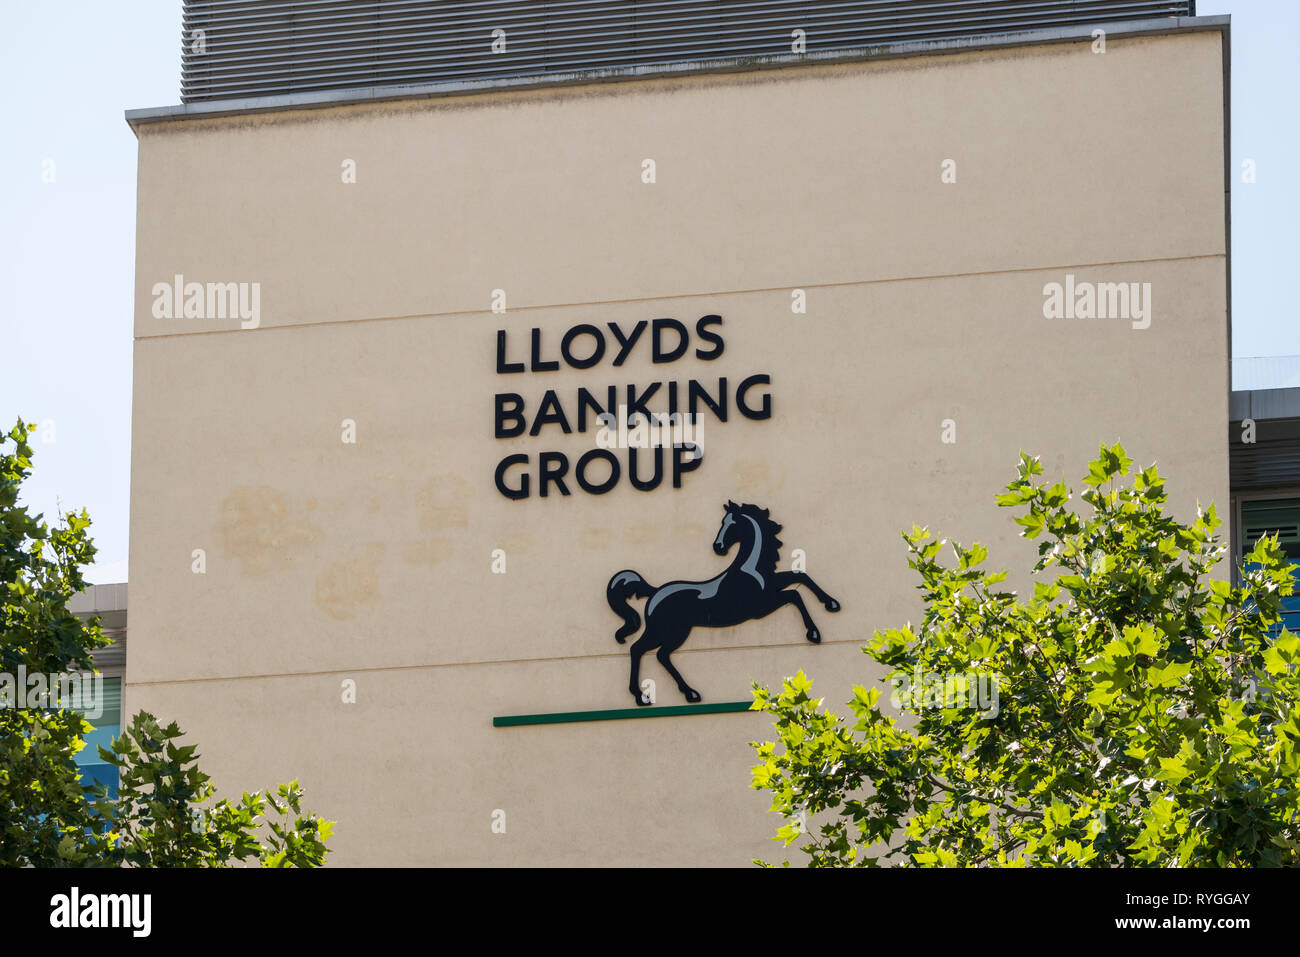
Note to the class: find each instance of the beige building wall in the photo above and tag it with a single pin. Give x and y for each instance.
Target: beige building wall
(372, 562)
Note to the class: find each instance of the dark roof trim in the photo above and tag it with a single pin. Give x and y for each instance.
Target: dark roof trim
(376, 94)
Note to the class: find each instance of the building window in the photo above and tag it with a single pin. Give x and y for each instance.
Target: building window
(108, 726)
(1281, 517)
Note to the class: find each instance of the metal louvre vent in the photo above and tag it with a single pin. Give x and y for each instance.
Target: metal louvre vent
(1264, 464)
(1286, 534)
(233, 49)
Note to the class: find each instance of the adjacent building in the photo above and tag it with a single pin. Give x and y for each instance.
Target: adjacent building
(107, 603)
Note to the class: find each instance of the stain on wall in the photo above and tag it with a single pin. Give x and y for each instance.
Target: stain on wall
(257, 529)
(346, 586)
(443, 505)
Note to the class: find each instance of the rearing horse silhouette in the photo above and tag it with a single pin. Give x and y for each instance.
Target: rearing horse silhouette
(751, 587)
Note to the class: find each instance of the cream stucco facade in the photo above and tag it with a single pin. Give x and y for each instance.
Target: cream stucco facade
(328, 561)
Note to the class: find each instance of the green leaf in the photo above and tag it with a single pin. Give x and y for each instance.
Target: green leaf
(1168, 675)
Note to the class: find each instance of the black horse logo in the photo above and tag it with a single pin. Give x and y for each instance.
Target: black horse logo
(751, 587)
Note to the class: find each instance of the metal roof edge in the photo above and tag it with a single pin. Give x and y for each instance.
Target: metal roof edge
(1264, 404)
(321, 99)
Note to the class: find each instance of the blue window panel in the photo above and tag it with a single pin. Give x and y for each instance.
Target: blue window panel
(107, 727)
(1280, 517)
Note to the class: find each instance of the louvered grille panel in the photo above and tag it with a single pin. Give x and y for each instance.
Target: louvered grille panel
(254, 48)
(1264, 465)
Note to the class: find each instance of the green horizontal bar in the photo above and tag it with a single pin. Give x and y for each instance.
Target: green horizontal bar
(649, 711)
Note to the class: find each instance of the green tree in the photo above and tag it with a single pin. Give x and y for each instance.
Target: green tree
(165, 812)
(1145, 714)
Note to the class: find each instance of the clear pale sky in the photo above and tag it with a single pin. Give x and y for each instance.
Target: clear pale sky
(68, 69)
